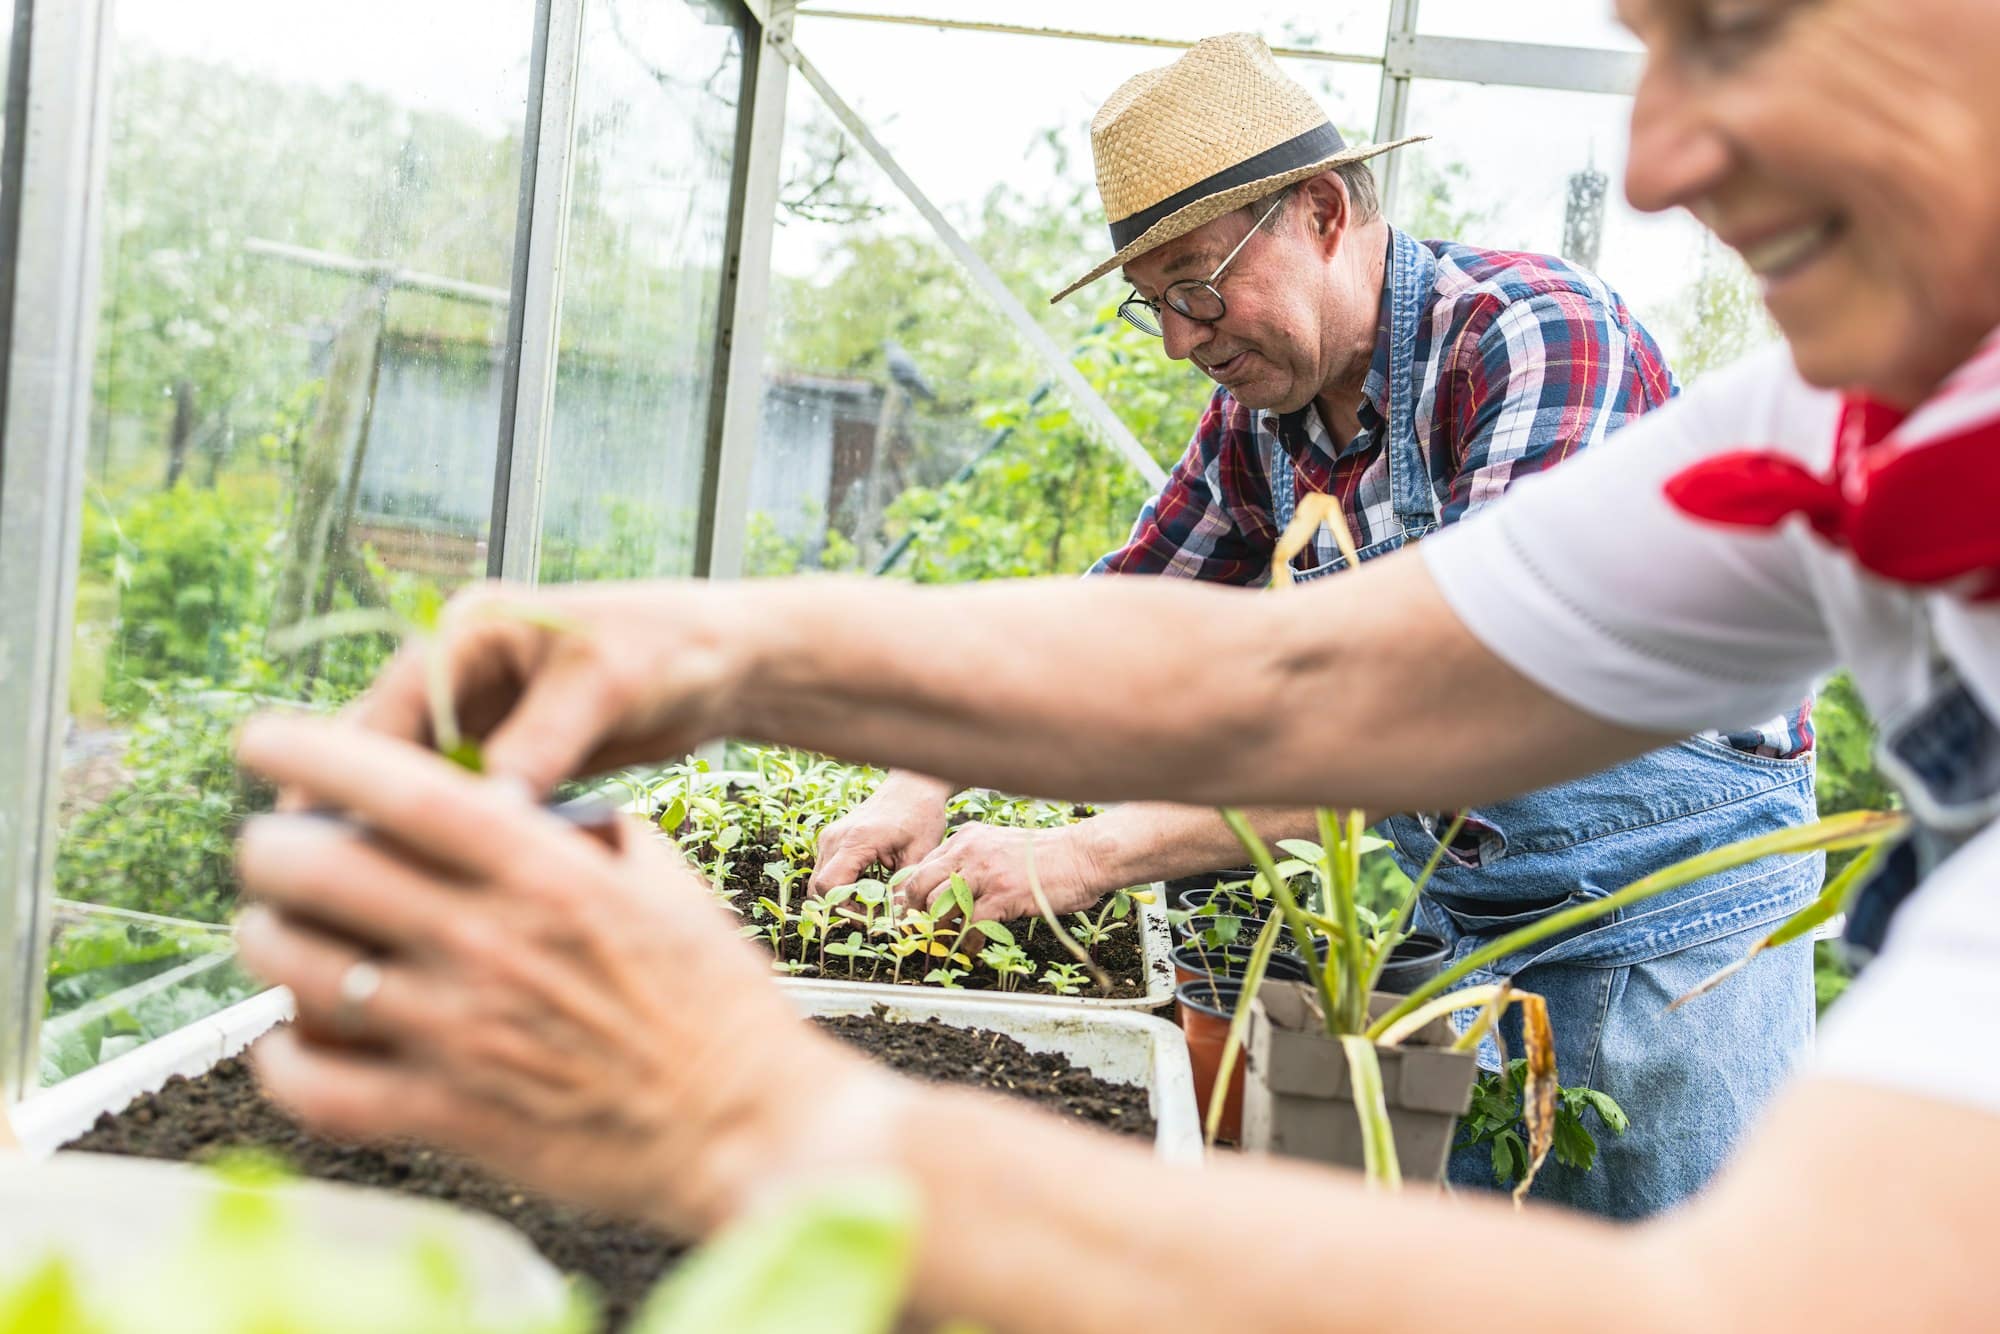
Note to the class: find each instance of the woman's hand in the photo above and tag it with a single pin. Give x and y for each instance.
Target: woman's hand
(566, 681)
(579, 1017)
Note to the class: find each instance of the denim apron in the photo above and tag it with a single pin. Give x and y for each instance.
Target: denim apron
(1691, 1081)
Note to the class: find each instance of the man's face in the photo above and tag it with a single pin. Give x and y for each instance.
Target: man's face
(1276, 345)
(1849, 150)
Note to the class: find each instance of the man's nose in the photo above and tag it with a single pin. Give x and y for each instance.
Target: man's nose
(1182, 335)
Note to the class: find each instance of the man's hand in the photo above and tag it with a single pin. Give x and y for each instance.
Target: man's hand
(894, 828)
(582, 1018)
(994, 863)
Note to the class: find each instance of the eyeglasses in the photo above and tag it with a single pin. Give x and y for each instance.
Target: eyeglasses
(1194, 298)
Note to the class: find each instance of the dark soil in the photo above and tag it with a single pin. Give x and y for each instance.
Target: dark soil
(195, 1119)
(942, 1054)
(1122, 955)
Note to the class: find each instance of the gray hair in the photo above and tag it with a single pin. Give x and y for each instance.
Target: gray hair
(1364, 200)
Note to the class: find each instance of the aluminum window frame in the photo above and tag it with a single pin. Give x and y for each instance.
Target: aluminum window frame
(58, 99)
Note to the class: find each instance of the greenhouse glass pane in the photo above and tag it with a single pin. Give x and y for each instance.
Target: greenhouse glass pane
(905, 424)
(967, 467)
(1544, 22)
(649, 208)
(1566, 197)
(308, 240)
(1032, 144)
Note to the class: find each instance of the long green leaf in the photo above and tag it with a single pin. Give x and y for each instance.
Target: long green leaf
(336, 625)
(1338, 870)
(836, 1261)
(1832, 901)
(1378, 1138)
(1854, 829)
(1239, 1024)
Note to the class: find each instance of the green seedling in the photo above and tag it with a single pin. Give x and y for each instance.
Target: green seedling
(1065, 979)
(1010, 963)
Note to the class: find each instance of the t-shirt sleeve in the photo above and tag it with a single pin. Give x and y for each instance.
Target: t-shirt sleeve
(1919, 1018)
(1590, 583)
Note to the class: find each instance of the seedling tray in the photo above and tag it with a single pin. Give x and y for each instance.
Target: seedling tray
(1156, 947)
(1114, 1045)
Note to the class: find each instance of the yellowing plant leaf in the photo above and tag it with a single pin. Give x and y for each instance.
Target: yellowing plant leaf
(1538, 1095)
(1313, 510)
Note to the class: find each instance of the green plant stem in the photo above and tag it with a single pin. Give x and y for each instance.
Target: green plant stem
(1294, 919)
(1378, 1138)
(1239, 1024)
(1341, 870)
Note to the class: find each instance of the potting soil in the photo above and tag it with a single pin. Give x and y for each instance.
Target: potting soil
(192, 1120)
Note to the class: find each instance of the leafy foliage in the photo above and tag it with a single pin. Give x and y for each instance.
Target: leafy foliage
(1495, 1120)
(860, 932)
(94, 958)
(191, 569)
(164, 844)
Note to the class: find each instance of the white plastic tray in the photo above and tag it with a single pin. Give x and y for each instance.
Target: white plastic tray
(115, 1217)
(1114, 1045)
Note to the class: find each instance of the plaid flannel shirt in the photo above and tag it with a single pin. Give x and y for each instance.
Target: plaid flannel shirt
(1520, 361)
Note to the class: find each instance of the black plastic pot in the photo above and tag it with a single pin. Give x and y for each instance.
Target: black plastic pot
(1227, 962)
(1247, 929)
(1234, 902)
(1185, 884)
(1412, 963)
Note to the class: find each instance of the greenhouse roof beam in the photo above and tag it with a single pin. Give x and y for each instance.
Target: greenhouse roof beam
(1517, 64)
(1086, 399)
(1077, 35)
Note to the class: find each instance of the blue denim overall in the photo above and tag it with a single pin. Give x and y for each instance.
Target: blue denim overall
(1692, 1080)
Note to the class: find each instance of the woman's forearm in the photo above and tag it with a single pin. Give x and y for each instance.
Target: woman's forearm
(1364, 691)
(1049, 1229)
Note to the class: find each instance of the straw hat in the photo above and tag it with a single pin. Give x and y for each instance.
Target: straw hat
(1186, 143)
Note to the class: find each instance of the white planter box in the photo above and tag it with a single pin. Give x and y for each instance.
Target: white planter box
(108, 1213)
(1121, 1047)
(116, 1219)
(47, 1120)
(1116, 1046)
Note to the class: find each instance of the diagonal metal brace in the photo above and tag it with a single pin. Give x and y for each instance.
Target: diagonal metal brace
(1114, 431)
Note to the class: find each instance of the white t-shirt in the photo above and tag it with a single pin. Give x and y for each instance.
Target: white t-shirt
(1589, 582)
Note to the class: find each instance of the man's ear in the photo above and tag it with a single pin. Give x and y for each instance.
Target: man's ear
(1327, 210)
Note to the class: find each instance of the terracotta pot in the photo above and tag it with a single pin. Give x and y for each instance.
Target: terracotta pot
(1204, 1008)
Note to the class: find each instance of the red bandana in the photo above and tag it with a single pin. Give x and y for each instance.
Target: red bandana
(1917, 507)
